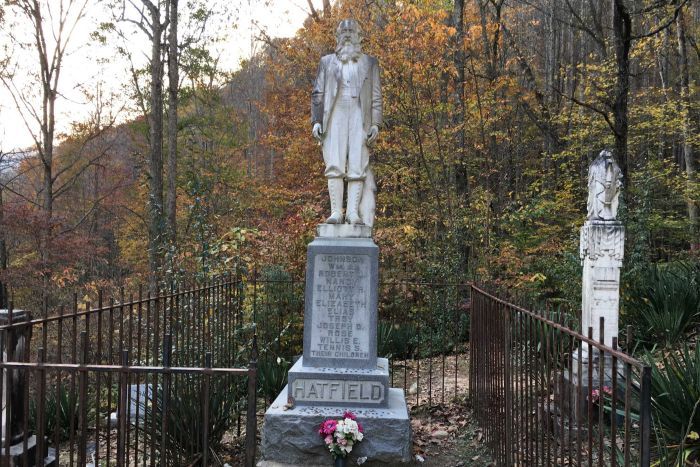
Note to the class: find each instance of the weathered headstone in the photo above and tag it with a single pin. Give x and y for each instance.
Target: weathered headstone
(339, 369)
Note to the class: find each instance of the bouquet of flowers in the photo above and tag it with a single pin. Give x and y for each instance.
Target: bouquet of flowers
(341, 435)
(597, 393)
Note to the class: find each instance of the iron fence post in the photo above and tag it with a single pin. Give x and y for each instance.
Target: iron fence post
(507, 387)
(167, 379)
(14, 342)
(205, 409)
(251, 413)
(645, 416)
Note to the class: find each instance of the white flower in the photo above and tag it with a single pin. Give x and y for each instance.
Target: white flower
(359, 436)
(350, 426)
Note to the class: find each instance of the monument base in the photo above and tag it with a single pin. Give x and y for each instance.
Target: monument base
(578, 392)
(339, 387)
(291, 436)
(344, 231)
(18, 456)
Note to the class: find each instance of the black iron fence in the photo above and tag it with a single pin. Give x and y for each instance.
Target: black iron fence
(148, 380)
(124, 380)
(423, 330)
(548, 395)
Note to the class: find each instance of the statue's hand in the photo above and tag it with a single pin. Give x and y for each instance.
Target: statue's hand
(372, 135)
(316, 131)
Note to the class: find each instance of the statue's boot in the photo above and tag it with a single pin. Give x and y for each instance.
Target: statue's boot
(354, 196)
(335, 191)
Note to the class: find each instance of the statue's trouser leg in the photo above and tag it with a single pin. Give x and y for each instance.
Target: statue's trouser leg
(335, 191)
(357, 162)
(354, 196)
(335, 142)
(334, 150)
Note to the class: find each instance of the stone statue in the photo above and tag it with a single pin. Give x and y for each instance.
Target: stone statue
(604, 183)
(346, 111)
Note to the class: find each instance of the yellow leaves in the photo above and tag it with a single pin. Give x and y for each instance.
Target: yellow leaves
(538, 277)
(409, 230)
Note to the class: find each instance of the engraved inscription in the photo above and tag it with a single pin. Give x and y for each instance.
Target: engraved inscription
(340, 307)
(332, 390)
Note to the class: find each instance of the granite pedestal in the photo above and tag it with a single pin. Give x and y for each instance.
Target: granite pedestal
(291, 436)
(339, 370)
(340, 317)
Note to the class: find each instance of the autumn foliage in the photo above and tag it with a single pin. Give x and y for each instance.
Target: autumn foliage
(492, 113)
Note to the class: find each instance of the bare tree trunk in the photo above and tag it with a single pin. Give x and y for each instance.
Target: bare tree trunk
(3, 257)
(50, 65)
(49, 79)
(622, 42)
(489, 60)
(461, 169)
(173, 82)
(155, 119)
(688, 155)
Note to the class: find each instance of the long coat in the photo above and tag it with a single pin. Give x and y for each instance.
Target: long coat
(326, 89)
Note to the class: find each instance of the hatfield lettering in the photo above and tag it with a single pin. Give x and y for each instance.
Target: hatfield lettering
(313, 390)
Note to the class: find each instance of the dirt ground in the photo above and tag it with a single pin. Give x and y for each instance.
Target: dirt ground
(447, 436)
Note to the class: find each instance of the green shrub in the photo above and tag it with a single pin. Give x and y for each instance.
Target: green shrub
(663, 303)
(279, 312)
(184, 418)
(397, 341)
(61, 407)
(272, 376)
(675, 384)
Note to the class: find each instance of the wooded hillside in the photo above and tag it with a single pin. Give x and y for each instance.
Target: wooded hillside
(493, 111)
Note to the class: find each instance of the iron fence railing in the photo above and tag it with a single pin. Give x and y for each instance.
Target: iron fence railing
(199, 317)
(144, 415)
(423, 329)
(139, 380)
(126, 364)
(546, 394)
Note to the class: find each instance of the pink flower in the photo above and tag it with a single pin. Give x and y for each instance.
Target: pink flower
(327, 428)
(329, 439)
(607, 389)
(349, 415)
(359, 427)
(343, 441)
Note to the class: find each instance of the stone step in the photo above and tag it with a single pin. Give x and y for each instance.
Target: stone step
(339, 387)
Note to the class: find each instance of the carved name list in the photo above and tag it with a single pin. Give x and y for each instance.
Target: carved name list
(340, 307)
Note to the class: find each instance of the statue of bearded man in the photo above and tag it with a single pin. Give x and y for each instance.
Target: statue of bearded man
(346, 111)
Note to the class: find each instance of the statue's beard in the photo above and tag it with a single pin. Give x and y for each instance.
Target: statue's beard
(348, 51)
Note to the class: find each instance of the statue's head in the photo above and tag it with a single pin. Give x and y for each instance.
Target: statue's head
(348, 40)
